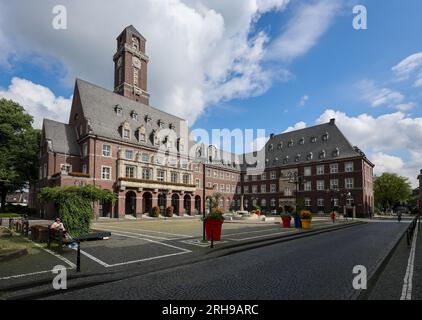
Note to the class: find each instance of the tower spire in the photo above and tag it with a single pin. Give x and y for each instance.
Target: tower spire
(130, 66)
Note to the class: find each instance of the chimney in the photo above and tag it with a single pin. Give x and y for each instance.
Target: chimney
(333, 121)
(271, 135)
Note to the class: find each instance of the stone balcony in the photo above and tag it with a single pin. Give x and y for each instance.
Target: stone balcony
(155, 185)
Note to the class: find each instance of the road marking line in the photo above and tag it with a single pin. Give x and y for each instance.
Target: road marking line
(146, 259)
(248, 232)
(71, 264)
(153, 241)
(86, 254)
(161, 232)
(111, 229)
(106, 265)
(408, 278)
(261, 236)
(29, 274)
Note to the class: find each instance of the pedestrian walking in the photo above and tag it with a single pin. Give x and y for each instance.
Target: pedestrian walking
(333, 217)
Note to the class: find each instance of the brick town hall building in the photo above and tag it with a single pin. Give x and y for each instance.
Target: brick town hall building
(114, 140)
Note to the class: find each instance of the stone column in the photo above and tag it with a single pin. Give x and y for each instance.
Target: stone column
(121, 206)
(139, 209)
(241, 203)
(192, 205)
(181, 204)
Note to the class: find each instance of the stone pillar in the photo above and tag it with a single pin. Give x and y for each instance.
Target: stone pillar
(181, 204)
(121, 206)
(139, 209)
(192, 205)
(241, 203)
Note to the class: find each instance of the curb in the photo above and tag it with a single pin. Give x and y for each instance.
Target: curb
(92, 279)
(13, 255)
(378, 270)
(243, 246)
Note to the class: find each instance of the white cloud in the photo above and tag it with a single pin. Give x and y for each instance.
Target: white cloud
(408, 66)
(387, 163)
(303, 101)
(297, 126)
(304, 29)
(379, 136)
(377, 96)
(38, 101)
(201, 51)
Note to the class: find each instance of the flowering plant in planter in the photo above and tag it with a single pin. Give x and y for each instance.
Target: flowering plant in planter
(305, 215)
(216, 214)
(169, 212)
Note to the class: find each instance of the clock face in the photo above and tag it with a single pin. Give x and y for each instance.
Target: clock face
(136, 62)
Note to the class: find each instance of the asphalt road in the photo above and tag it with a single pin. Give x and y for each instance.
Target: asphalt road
(318, 267)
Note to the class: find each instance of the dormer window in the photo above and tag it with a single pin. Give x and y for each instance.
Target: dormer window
(169, 142)
(336, 152)
(155, 139)
(134, 115)
(302, 141)
(310, 156)
(286, 160)
(313, 139)
(161, 124)
(298, 157)
(180, 145)
(271, 147)
(148, 120)
(142, 134)
(280, 145)
(322, 154)
(119, 110)
(290, 144)
(125, 130)
(325, 136)
(172, 126)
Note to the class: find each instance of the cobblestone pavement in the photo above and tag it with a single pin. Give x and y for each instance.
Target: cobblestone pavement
(136, 246)
(319, 267)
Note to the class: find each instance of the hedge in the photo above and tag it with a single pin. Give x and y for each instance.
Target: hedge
(74, 205)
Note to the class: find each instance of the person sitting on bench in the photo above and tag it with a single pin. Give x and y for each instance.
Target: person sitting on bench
(67, 239)
(58, 225)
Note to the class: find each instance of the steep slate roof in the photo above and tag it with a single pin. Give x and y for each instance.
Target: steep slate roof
(221, 158)
(99, 107)
(335, 140)
(133, 30)
(62, 136)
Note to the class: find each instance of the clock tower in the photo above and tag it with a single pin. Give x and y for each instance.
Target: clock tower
(130, 66)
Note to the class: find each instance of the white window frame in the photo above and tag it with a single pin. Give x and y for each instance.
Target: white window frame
(320, 170)
(307, 171)
(349, 167)
(104, 152)
(320, 185)
(103, 173)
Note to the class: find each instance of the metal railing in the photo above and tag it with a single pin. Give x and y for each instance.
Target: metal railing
(411, 229)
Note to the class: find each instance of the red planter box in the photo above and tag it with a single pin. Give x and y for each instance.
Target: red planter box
(213, 229)
(286, 222)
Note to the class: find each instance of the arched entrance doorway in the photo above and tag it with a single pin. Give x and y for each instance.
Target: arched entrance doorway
(186, 204)
(198, 204)
(147, 202)
(130, 204)
(162, 203)
(105, 209)
(175, 203)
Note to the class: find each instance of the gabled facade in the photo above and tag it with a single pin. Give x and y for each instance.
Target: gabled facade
(117, 141)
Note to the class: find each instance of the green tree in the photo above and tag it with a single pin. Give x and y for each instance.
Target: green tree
(390, 190)
(19, 145)
(75, 205)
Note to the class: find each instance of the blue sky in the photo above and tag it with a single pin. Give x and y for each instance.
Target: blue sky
(228, 69)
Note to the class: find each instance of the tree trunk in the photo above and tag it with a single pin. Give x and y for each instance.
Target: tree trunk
(3, 194)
